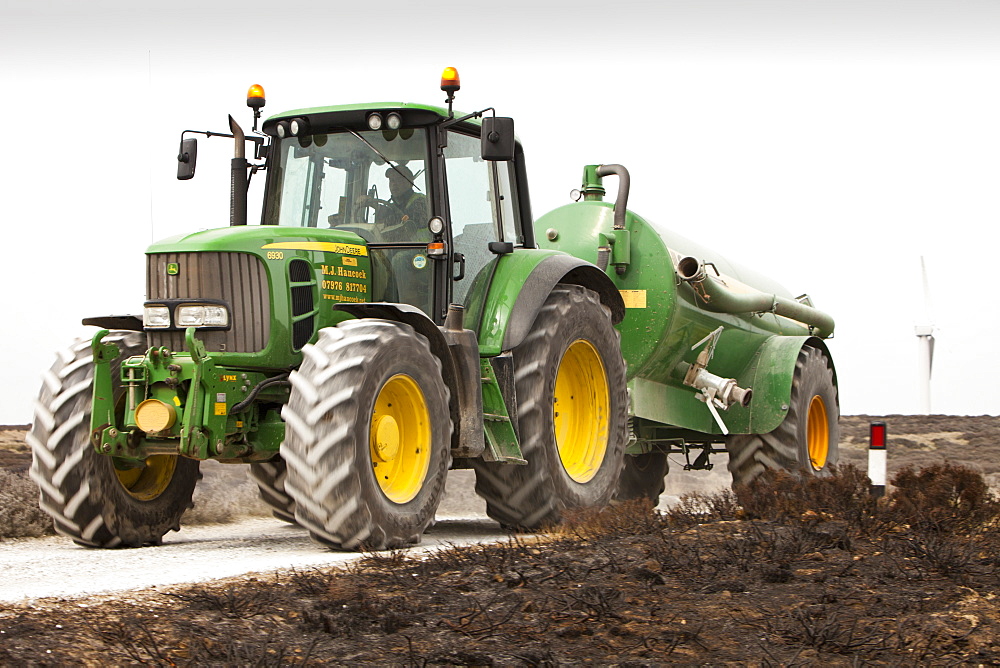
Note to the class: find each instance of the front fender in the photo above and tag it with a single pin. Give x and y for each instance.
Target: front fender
(521, 282)
(459, 369)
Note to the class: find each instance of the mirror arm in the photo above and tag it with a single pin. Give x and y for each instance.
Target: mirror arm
(476, 114)
(255, 140)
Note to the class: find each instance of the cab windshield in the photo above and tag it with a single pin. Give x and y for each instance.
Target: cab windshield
(372, 183)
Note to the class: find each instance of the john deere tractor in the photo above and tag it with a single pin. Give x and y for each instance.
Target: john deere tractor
(398, 312)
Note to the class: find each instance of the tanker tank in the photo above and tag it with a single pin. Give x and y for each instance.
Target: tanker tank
(676, 294)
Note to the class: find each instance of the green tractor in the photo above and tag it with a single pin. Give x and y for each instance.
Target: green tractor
(398, 313)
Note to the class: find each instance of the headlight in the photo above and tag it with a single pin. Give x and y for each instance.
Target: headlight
(156, 316)
(202, 316)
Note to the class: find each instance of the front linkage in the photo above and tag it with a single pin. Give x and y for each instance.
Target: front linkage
(183, 403)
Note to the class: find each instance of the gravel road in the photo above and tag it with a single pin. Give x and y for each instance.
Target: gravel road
(37, 568)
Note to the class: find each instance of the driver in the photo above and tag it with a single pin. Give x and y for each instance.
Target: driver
(405, 214)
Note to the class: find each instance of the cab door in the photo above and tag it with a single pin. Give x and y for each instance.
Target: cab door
(482, 209)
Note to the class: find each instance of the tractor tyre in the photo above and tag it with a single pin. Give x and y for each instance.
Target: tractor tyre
(270, 479)
(807, 440)
(368, 436)
(572, 411)
(643, 477)
(90, 498)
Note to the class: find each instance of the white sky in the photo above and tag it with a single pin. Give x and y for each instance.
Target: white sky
(826, 144)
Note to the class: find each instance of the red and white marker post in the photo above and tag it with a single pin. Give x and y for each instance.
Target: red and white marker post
(877, 459)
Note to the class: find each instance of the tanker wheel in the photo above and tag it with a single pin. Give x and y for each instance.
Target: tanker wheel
(270, 479)
(643, 477)
(572, 416)
(807, 441)
(368, 436)
(90, 498)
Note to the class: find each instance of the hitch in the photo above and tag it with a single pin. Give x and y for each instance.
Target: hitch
(175, 403)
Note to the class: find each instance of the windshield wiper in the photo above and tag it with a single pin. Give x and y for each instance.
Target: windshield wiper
(387, 160)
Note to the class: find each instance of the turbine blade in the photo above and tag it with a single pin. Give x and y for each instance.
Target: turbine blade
(928, 311)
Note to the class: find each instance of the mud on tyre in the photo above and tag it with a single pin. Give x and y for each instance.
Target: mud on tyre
(572, 415)
(368, 436)
(91, 497)
(807, 440)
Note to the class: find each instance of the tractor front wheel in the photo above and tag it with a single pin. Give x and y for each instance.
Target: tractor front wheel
(92, 498)
(572, 408)
(368, 436)
(807, 440)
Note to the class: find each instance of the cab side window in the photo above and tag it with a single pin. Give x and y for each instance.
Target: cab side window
(482, 208)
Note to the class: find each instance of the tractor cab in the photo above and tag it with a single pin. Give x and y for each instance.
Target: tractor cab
(431, 200)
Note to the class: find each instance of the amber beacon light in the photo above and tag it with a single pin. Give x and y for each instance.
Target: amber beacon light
(449, 80)
(255, 96)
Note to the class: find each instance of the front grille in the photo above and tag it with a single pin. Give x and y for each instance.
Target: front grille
(303, 304)
(302, 299)
(238, 279)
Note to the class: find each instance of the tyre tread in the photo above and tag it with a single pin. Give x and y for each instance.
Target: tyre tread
(750, 455)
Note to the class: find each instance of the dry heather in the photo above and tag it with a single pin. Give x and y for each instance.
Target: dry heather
(781, 573)
(20, 516)
(226, 492)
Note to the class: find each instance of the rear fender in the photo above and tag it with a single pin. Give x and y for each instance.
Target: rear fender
(521, 283)
(771, 374)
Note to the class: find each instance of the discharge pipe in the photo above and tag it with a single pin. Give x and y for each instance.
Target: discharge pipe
(717, 297)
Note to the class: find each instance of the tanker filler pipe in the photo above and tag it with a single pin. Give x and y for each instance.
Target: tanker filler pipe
(621, 201)
(717, 297)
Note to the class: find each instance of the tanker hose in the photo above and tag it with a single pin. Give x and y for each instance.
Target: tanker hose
(717, 297)
(603, 257)
(621, 201)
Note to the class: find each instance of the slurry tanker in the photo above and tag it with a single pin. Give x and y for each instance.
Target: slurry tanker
(397, 312)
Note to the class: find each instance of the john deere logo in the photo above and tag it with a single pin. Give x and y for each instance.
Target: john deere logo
(173, 269)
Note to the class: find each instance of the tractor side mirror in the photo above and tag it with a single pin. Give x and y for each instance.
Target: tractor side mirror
(498, 138)
(186, 158)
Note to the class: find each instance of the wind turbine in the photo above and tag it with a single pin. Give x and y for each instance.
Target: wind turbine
(925, 348)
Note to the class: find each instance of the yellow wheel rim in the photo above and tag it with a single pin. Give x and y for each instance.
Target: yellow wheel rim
(400, 439)
(818, 433)
(148, 482)
(580, 411)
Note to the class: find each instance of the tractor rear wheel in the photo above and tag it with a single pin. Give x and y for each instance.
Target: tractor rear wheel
(572, 411)
(643, 477)
(270, 479)
(91, 498)
(807, 440)
(368, 436)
